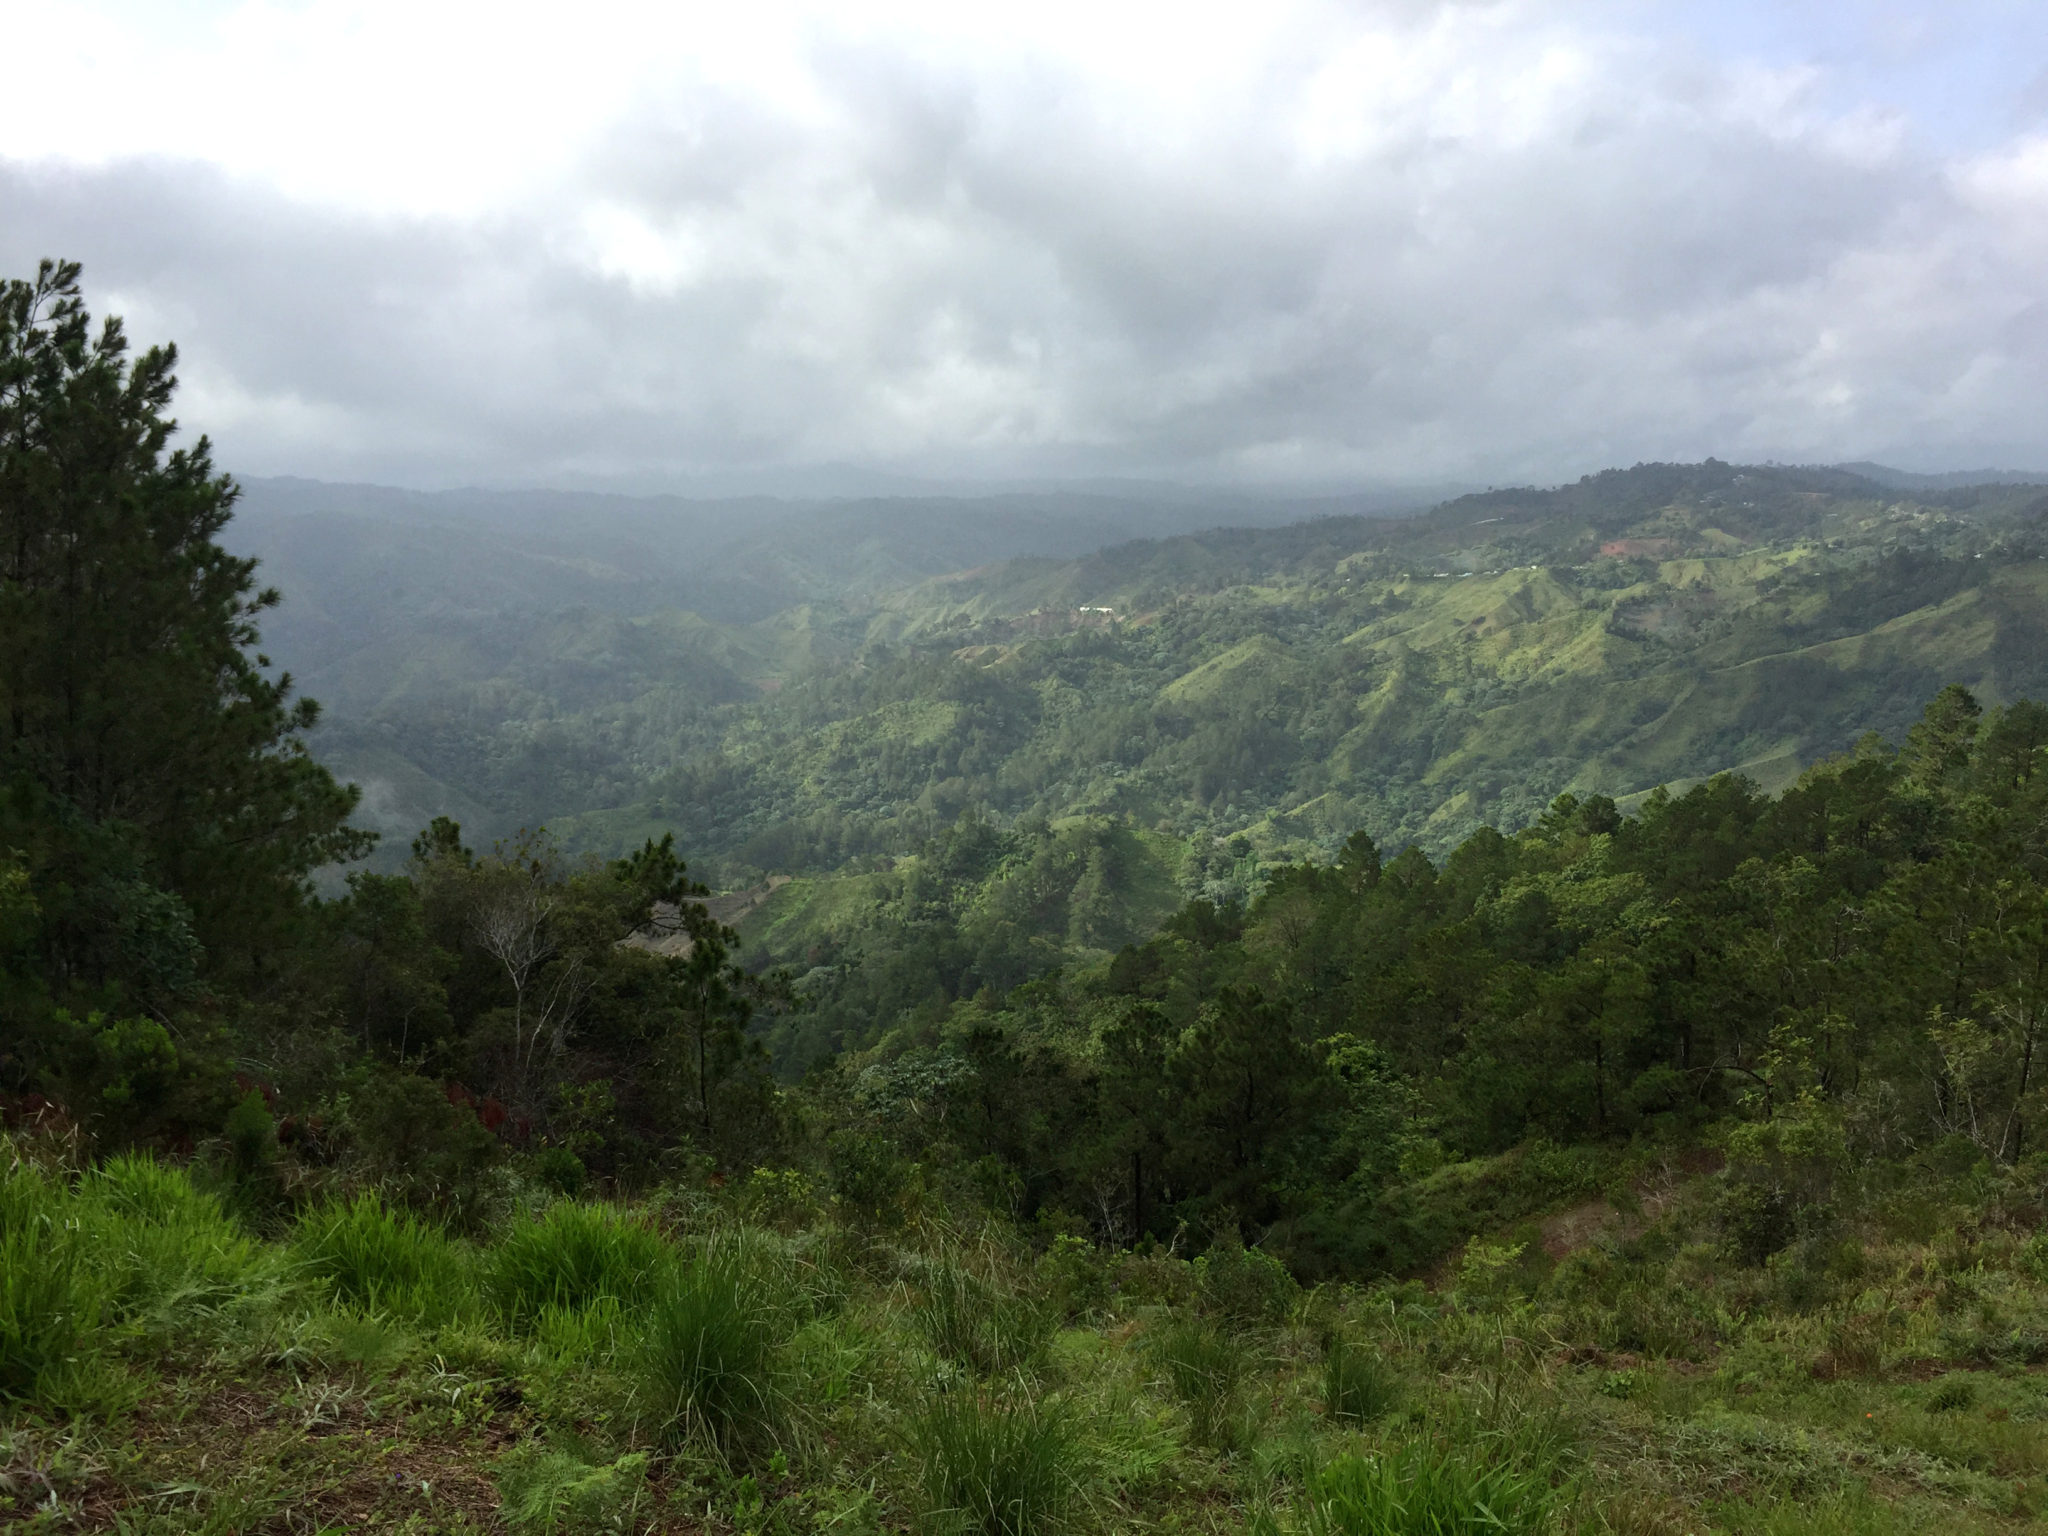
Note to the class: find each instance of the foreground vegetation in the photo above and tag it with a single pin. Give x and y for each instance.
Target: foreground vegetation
(751, 1359)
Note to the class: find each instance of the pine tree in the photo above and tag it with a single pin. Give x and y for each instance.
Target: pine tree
(156, 781)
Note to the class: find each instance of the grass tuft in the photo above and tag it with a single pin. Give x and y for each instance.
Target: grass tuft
(573, 1256)
(1357, 1386)
(137, 1186)
(989, 1467)
(384, 1260)
(51, 1298)
(1425, 1490)
(175, 1259)
(710, 1356)
(1206, 1368)
(975, 1323)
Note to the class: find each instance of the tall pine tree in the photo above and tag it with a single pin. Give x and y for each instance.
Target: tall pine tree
(157, 789)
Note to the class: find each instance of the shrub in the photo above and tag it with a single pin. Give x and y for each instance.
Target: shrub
(1076, 1276)
(976, 1323)
(561, 1170)
(1424, 1490)
(1206, 1369)
(384, 1260)
(1356, 1383)
(989, 1467)
(572, 1256)
(1154, 1279)
(780, 1197)
(1756, 1218)
(51, 1302)
(872, 1183)
(710, 1356)
(1245, 1285)
(429, 1152)
(251, 1136)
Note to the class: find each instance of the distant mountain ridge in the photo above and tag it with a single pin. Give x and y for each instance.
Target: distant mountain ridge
(1948, 480)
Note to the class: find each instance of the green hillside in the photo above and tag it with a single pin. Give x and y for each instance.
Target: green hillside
(1417, 679)
(1240, 697)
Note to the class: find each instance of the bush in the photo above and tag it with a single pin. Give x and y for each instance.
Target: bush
(987, 1467)
(975, 1323)
(51, 1301)
(1356, 1383)
(710, 1356)
(1206, 1369)
(1076, 1277)
(872, 1183)
(384, 1260)
(561, 1170)
(1245, 1285)
(429, 1152)
(1424, 1490)
(251, 1136)
(573, 1256)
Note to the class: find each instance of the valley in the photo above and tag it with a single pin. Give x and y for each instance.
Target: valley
(1196, 709)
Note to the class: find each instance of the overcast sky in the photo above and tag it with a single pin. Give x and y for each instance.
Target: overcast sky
(429, 243)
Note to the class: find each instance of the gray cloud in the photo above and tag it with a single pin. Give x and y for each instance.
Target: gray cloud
(962, 270)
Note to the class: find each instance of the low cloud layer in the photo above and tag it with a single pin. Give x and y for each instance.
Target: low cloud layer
(1386, 241)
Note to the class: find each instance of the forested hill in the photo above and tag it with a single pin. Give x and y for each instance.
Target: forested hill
(977, 775)
(1416, 676)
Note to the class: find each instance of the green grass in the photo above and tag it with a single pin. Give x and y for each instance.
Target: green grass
(52, 1297)
(385, 1260)
(572, 1256)
(709, 1360)
(555, 1491)
(1357, 1386)
(1206, 1368)
(976, 1323)
(1421, 1489)
(990, 1466)
(367, 1371)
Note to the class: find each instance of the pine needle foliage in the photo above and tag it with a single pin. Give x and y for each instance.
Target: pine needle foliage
(557, 1491)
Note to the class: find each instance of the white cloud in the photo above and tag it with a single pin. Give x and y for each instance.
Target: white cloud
(441, 241)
